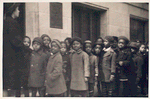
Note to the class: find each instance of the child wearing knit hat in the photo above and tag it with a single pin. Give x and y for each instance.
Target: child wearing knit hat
(38, 62)
(93, 66)
(55, 81)
(79, 69)
(108, 67)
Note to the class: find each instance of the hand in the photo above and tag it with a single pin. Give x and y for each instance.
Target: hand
(121, 63)
(86, 79)
(112, 77)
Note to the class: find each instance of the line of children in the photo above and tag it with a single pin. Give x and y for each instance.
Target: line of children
(71, 68)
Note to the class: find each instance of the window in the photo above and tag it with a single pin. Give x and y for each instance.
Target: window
(56, 15)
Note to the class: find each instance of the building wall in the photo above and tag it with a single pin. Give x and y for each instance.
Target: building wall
(115, 21)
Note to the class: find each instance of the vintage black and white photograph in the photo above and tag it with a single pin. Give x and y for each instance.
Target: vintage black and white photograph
(75, 49)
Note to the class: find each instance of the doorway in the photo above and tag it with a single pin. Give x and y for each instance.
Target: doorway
(85, 22)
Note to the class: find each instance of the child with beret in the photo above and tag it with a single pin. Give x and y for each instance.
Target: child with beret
(124, 63)
(80, 70)
(55, 81)
(38, 63)
(93, 66)
(108, 69)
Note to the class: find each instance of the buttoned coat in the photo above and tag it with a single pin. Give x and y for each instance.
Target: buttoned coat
(80, 69)
(55, 82)
(38, 63)
(108, 65)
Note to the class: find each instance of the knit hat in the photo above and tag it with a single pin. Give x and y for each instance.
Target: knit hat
(37, 39)
(45, 35)
(10, 7)
(88, 41)
(133, 44)
(109, 38)
(76, 39)
(124, 38)
(57, 42)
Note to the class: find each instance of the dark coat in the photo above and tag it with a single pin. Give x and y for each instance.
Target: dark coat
(55, 82)
(108, 65)
(38, 63)
(12, 53)
(66, 66)
(125, 71)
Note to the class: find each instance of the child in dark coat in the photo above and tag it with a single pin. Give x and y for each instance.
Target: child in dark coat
(38, 63)
(108, 69)
(79, 69)
(93, 66)
(97, 51)
(25, 68)
(66, 66)
(124, 69)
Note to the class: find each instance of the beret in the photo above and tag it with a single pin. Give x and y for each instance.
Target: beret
(57, 42)
(37, 39)
(45, 35)
(88, 41)
(109, 38)
(133, 44)
(124, 38)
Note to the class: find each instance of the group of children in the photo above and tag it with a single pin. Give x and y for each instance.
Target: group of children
(71, 68)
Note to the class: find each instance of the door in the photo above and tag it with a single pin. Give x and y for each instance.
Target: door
(85, 23)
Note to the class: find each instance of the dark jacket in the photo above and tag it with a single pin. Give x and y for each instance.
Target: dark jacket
(127, 69)
(12, 53)
(66, 67)
(38, 63)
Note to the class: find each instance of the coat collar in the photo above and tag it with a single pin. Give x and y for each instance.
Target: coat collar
(39, 52)
(78, 52)
(55, 55)
(107, 49)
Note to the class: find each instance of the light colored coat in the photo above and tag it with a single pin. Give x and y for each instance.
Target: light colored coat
(108, 65)
(79, 70)
(55, 82)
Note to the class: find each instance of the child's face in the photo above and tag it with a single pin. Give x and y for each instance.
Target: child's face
(142, 48)
(121, 43)
(76, 45)
(97, 49)
(100, 41)
(46, 41)
(106, 43)
(55, 48)
(26, 42)
(63, 48)
(36, 46)
(67, 42)
(88, 48)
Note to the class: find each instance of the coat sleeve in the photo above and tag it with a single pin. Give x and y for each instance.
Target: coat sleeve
(86, 65)
(113, 63)
(57, 70)
(96, 66)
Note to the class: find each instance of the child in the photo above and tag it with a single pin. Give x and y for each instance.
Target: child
(93, 66)
(97, 51)
(66, 65)
(142, 60)
(46, 41)
(107, 73)
(79, 69)
(123, 63)
(114, 45)
(99, 40)
(25, 68)
(55, 82)
(68, 41)
(38, 62)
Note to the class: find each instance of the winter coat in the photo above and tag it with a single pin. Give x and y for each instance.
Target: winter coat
(127, 69)
(93, 68)
(38, 63)
(55, 82)
(66, 66)
(79, 70)
(25, 68)
(108, 65)
(12, 53)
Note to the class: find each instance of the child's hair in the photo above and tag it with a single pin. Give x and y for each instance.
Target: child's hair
(57, 42)
(62, 42)
(69, 40)
(99, 38)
